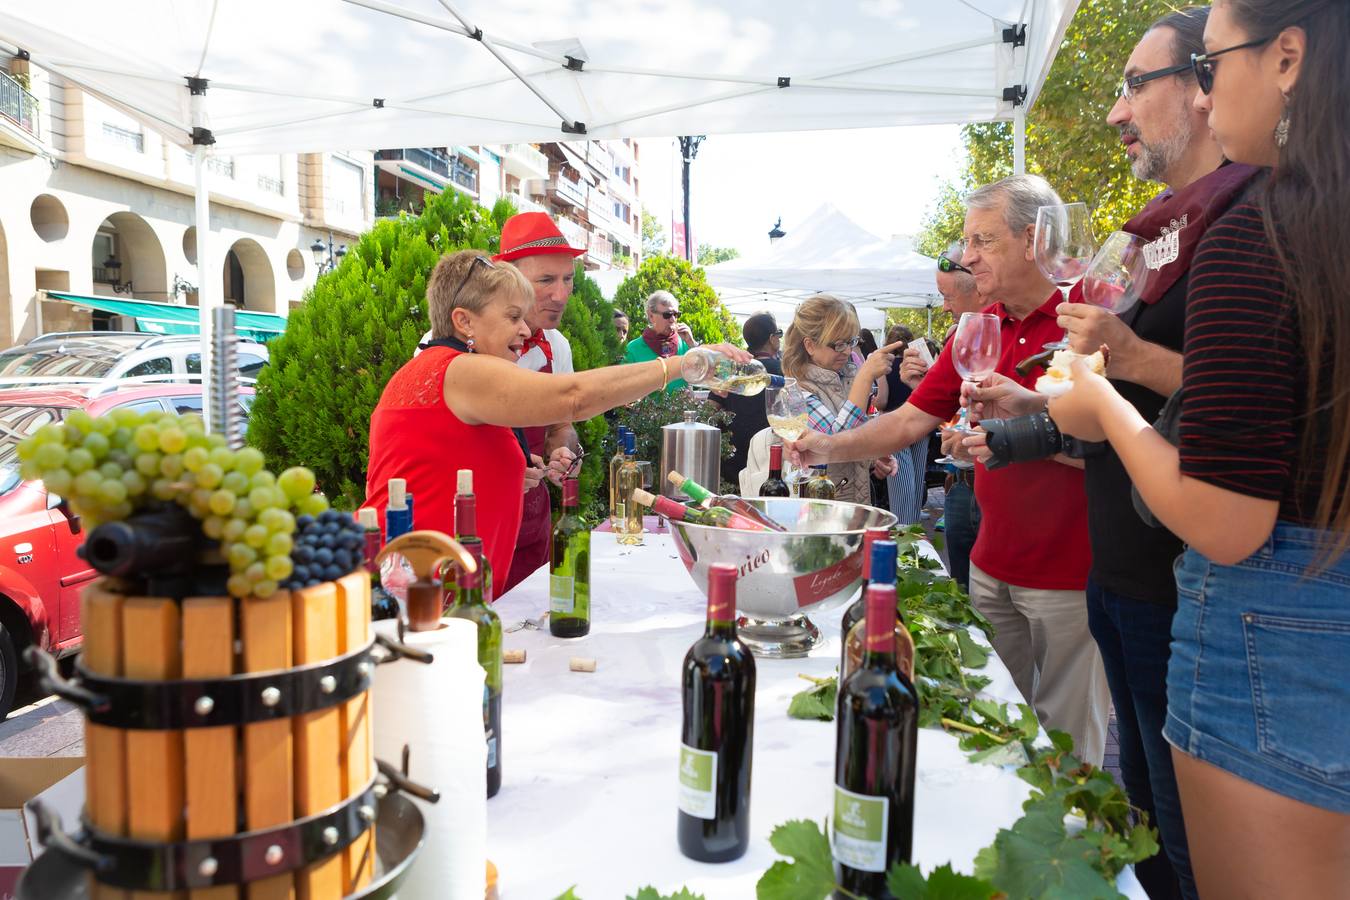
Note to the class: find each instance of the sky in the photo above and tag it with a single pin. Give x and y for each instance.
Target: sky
(885, 179)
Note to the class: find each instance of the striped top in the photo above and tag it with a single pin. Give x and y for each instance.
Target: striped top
(1245, 377)
(823, 419)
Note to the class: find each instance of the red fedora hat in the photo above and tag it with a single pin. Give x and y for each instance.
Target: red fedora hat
(532, 234)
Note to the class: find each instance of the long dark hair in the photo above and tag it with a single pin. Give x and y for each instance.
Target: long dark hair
(1304, 210)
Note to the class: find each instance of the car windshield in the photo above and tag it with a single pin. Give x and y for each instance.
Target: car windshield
(73, 361)
(16, 423)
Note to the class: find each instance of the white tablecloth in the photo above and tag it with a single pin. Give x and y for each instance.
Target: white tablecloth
(589, 760)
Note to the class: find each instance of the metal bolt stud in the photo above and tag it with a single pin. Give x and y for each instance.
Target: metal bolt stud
(364, 668)
(271, 697)
(328, 684)
(273, 855)
(208, 867)
(381, 792)
(367, 813)
(203, 708)
(330, 836)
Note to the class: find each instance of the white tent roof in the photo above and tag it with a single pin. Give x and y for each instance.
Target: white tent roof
(343, 74)
(828, 253)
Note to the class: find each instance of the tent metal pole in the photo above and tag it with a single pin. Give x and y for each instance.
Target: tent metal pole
(1020, 140)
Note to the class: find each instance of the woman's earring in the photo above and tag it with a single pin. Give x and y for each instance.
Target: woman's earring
(469, 343)
(1282, 127)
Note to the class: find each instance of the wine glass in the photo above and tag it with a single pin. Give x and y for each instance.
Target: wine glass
(786, 410)
(1117, 274)
(1063, 247)
(976, 348)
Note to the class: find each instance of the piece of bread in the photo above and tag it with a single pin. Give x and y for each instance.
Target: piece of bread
(1058, 378)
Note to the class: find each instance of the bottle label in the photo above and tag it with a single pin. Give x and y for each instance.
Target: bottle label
(698, 780)
(860, 824)
(492, 752)
(561, 596)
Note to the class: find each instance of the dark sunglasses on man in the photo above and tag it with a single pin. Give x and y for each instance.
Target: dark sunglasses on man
(670, 314)
(1203, 63)
(947, 264)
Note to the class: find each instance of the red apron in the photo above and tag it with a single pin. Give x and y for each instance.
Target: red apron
(535, 541)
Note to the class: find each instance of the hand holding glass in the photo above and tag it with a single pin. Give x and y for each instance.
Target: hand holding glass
(976, 348)
(1063, 246)
(1117, 274)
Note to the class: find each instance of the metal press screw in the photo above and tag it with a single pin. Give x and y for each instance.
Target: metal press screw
(330, 836)
(328, 684)
(367, 813)
(208, 867)
(273, 855)
(271, 697)
(203, 707)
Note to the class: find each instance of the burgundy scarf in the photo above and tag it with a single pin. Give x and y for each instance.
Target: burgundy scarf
(1175, 222)
(661, 344)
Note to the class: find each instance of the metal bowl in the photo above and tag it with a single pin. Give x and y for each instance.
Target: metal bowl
(814, 566)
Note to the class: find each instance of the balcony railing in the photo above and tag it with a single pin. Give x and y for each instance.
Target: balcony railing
(568, 190)
(431, 160)
(525, 204)
(531, 157)
(463, 176)
(132, 140)
(221, 165)
(600, 248)
(271, 185)
(17, 105)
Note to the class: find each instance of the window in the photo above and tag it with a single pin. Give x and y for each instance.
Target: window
(194, 363)
(250, 365)
(124, 137)
(346, 187)
(187, 404)
(160, 365)
(144, 406)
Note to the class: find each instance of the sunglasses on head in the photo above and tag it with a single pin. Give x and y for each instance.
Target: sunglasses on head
(670, 314)
(473, 267)
(1203, 63)
(946, 264)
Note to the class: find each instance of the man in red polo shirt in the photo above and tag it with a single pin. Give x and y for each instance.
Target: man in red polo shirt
(1030, 561)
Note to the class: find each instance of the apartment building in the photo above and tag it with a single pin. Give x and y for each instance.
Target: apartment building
(93, 204)
(590, 188)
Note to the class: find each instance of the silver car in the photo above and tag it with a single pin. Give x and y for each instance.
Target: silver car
(109, 358)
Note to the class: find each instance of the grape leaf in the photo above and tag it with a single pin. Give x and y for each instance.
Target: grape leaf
(810, 875)
(651, 893)
(817, 701)
(904, 880)
(1037, 860)
(569, 894)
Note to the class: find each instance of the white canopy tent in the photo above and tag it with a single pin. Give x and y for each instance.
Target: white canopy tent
(257, 76)
(828, 253)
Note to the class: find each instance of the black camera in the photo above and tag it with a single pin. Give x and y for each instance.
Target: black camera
(1028, 438)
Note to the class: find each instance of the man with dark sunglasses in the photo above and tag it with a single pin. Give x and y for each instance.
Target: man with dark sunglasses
(1131, 592)
(664, 336)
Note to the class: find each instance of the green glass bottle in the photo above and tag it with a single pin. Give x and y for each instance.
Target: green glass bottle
(818, 486)
(569, 571)
(470, 604)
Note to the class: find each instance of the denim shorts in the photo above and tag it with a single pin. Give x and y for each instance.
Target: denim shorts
(1259, 681)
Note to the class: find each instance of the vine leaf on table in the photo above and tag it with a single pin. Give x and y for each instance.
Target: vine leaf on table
(1036, 859)
(817, 701)
(810, 875)
(651, 893)
(943, 883)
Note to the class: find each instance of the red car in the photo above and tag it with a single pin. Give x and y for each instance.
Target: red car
(40, 574)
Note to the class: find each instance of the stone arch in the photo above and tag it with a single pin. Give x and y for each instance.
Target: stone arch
(249, 279)
(137, 247)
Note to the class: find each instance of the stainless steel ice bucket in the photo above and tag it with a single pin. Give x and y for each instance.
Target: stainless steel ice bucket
(694, 450)
(814, 566)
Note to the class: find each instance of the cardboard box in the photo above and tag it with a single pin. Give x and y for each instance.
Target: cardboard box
(56, 780)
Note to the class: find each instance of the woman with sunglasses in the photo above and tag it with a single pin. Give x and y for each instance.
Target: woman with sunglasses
(1258, 703)
(816, 352)
(454, 405)
(664, 335)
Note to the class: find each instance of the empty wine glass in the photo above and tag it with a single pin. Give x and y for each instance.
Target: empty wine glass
(976, 348)
(1063, 247)
(1117, 274)
(786, 410)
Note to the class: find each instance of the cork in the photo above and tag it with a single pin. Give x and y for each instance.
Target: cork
(581, 664)
(513, 656)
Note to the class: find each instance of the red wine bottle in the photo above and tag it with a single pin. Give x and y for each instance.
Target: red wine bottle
(854, 614)
(875, 747)
(774, 485)
(716, 737)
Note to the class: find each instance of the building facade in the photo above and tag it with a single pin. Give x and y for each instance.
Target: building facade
(93, 203)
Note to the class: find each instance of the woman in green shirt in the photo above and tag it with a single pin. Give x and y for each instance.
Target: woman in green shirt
(664, 335)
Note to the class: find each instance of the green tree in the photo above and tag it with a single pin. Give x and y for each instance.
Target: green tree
(653, 236)
(709, 255)
(700, 308)
(359, 324)
(1068, 140)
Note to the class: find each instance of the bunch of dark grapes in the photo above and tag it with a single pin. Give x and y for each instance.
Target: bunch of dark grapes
(327, 546)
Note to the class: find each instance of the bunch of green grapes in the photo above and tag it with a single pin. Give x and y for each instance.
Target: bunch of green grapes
(110, 466)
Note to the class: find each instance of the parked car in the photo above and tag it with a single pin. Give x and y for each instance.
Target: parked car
(110, 356)
(41, 576)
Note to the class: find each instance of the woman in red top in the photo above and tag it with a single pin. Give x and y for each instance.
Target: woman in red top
(1258, 487)
(453, 406)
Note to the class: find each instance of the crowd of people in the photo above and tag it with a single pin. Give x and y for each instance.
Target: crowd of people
(1189, 573)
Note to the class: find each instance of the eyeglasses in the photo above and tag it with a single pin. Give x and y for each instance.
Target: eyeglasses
(473, 267)
(777, 334)
(845, 346)
(979, 243)
(947, 264)
(1131, 83)
(670, 314)
(1203, 63)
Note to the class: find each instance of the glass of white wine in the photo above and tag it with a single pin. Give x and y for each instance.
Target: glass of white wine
(786, 408)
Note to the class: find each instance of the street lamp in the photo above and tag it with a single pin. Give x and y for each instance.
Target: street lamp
(325, 257)
(113, 266)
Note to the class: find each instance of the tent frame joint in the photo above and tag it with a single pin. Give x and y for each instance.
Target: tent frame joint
(784, 81)
(476, 34)
(197, 86)
(574, 127)
(1015, 35)
(378, 103)
(22, 54)
(202, 137)
(574, 64)
(1016, 95)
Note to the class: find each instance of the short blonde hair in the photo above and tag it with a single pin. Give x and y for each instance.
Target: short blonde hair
(454, 285)
(824, 319)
